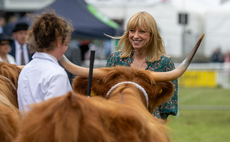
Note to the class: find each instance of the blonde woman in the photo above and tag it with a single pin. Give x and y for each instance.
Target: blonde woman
(141, 46)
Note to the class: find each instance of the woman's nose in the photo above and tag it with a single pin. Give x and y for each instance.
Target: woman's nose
(136, 34)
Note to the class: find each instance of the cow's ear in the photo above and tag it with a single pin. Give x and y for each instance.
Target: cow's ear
(162, 92)
(80, 85)
(99, 88)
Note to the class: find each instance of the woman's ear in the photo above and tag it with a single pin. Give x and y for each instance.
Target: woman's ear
(58, 42)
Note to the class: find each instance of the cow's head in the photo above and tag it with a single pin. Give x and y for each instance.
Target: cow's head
(158, 92)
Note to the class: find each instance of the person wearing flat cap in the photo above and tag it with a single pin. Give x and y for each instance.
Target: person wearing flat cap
(19, 48)
(5, 49)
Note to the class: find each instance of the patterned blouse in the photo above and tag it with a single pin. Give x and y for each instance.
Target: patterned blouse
(162, 65)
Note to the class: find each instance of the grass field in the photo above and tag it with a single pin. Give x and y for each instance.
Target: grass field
(194, 125)
(204, 96)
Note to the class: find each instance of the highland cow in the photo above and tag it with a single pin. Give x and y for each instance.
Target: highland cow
(9, 114)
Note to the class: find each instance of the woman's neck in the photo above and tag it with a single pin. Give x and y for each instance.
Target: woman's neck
(139, 59)
(52, 53)
(139, 54)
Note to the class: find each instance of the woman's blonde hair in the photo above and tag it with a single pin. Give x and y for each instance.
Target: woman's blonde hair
(146, 22)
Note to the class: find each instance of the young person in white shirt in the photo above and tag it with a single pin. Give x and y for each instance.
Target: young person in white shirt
(43, 78)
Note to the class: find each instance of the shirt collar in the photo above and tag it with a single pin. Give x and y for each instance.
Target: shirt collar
(18, 46)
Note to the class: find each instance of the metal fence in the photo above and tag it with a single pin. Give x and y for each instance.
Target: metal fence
(205, 87)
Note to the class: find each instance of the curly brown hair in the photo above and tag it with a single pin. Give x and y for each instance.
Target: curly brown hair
(46, 29)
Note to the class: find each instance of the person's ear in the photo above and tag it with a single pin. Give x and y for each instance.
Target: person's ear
(58, 42)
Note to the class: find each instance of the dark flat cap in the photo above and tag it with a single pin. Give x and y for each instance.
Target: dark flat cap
(4, 37)
(20, 26)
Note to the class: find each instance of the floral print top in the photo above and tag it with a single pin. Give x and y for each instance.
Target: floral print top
(162, 65)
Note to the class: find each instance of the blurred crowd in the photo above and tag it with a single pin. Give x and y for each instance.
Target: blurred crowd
(103, 47)
(14, 49)
(223, 58)
(219, 57)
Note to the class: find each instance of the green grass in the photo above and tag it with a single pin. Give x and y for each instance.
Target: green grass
(204, 96)
(201, 125)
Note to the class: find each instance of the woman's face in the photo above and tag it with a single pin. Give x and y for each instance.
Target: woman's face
(4, 47)
(138, 37)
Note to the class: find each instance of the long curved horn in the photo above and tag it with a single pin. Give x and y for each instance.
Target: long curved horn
(78, 70)
(174, 74)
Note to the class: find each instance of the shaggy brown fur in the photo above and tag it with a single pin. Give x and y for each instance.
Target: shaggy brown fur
(122, 117)
(10, 71)
(9, 113)
(9, 123)
(76, 118)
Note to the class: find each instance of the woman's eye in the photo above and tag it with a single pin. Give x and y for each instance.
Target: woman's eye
(131, 31)
(143, 32)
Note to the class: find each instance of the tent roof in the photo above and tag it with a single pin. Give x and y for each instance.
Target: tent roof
(86, 20)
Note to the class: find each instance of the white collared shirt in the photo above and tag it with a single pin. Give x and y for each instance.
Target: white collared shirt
(41, 79)
(18, 52)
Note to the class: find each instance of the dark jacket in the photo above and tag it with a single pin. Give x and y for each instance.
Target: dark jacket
(13, 51)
